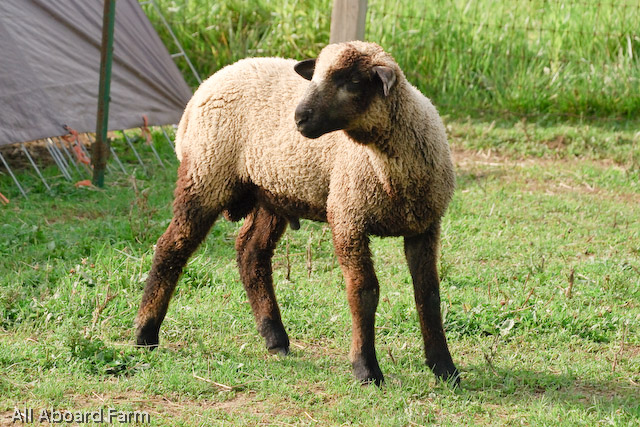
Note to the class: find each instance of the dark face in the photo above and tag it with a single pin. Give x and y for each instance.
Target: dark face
(338, 99)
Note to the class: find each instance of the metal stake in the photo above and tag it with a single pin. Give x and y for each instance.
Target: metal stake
(26, 152)
(168, 139)
(134, 150)
(115, 156)
(58, 161)
(175, 39)
(153, 148)
(69, 155)
(6, 165)
(55, 148)
(101, 145)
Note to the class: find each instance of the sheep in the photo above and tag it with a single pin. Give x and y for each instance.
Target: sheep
(343, 139)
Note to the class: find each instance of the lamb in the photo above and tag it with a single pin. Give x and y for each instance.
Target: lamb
(344, 139)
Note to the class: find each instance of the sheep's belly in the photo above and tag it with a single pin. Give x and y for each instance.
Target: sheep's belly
(397, 227)
(292, 207)
(397, 217)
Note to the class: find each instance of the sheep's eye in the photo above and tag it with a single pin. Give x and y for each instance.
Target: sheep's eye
(353, 84)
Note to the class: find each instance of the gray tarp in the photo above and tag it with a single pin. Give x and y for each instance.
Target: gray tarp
(50, 62)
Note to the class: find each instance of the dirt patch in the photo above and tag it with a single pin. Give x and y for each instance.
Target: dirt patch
(482, 164)
(558, 143)
(178, 408)
(158, 407)
(466, 158)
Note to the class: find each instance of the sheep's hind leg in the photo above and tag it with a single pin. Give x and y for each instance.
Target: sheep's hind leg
(362, 294)
(190, 225)
(421, 252)
(255, 244)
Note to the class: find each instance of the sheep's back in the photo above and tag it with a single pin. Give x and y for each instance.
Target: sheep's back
(240, 127)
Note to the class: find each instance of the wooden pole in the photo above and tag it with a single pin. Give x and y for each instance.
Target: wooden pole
(100, 147)
(348, 19)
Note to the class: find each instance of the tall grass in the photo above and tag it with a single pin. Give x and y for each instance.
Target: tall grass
(572, 58)
(486, 57)
(215, 34)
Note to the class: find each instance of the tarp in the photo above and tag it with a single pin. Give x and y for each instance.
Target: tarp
(50, 66)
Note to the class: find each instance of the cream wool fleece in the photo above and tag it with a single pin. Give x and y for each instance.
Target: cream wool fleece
(239, 128)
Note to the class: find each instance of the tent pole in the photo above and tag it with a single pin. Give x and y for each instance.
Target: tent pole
(6, 165)
(168, 139)
(57, 159)
(134, 150)
(26, 152)
(100, 149)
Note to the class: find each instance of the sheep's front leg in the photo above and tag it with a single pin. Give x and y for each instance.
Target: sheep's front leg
(422, 253)
(362, 293)
(255, 245)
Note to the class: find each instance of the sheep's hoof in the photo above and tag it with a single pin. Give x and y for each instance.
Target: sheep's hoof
(275, 336)
(279, 351)
(149, 342)
(450, 376)
(367, 375)
(148, 336)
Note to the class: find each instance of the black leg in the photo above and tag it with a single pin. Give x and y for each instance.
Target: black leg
(255, 245)
(362, 293)
(422, 253)
(190, 225)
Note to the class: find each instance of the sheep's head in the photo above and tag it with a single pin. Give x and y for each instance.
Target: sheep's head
(349, 84)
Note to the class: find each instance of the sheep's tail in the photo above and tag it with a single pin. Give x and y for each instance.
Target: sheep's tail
(182, 130)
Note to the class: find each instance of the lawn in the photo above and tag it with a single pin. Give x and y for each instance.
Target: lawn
(540, 259)
(540, 271)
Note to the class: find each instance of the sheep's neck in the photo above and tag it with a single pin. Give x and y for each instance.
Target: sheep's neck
(377, 130)
(383, 170)
(398, 152)
(380, 154)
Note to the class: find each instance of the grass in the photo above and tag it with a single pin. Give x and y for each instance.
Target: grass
(545, 60)
(540, 259)
(533, 58)
(540, 283)
(221, 33)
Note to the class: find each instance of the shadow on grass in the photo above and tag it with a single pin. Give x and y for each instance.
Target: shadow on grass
(525, 386)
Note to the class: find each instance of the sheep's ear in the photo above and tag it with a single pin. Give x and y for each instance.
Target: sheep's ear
(387, 76)
(305, 68)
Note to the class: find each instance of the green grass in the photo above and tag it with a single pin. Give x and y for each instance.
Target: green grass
(496, 57)
(540, 271)
(215, 34)
(540, 259)
(546, 60)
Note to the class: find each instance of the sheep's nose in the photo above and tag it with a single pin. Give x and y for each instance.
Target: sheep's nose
(303, 114)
